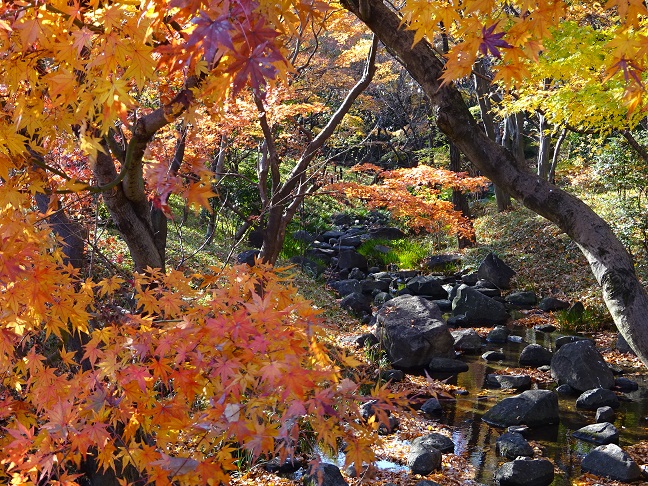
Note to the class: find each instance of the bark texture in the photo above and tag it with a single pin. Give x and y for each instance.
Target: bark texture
(610, 262)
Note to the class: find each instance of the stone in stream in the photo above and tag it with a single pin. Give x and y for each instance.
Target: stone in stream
(612, 462)
(535, 355)
(432, 408)
(535, 408)
(509, 382)
(412, 332)
(601, 433)
(498, 335)
(428, 286)
(325, 475)
(604, 414)
(434, 440)
(478, 308)
(512, 445)
(447, 365)
(493, 356)
(580, 365)
(625, 385)
(525, 472)
(597, 397)
(466, 340)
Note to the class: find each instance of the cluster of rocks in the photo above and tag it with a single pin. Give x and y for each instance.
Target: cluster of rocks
(410, 327)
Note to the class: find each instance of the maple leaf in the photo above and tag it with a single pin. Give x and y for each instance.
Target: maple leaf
(212, 36)
(492, 42)
(630, 69)
(255, 67)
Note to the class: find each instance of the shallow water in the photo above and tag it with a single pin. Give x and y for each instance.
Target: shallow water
(477, 440)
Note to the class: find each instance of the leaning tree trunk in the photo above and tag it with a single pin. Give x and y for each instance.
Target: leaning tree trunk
(544, 148)
(611, 264)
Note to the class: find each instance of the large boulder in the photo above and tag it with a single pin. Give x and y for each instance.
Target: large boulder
(525, 472)
(534, 408)
(357, 304)
(434, 440)
(494, 269)
(346, 287)
(581, 366)
(612, 462)
(478, 308)
(412, 332)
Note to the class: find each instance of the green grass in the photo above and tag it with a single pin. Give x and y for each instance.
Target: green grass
(406, 253)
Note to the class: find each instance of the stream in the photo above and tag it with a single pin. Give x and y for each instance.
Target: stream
(473, 437)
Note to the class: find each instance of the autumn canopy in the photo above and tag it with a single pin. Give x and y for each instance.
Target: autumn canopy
(173, 382)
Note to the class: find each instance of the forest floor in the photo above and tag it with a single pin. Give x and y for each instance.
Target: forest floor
(530, 245)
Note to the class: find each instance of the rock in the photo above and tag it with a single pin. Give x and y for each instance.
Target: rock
(392, 375)
(359, 275)
(604, 414)
(440, 262)
(367, 339)
(381, 297)
(600, 433)
(346, 287)
(625, 385)
(612, 462)
(436, 441)
(309, 266)
(534, 408)
(354, 240)
(458, 321)
(432, 408)
(288, 466)
(622, 345)
(390, 427)
(325, 475)
(580, 365)
(478, 309)
(597, 397)
(424, 462)
(509, 382)
(351, 259)
(466, 340)
(566, 390)
(470, 278)
(426, 482)
(535, 355)
(447, 365)
(525, 472)
(444, 304)
(562, 340)
(550, 304)
(303, 236)
(545, 328)
(493, 356)
(494, 269)
(522, 299)
(370, 286)
(498, 335)
(428, 286)
(247, 256)
(512, 445)
(515, 339)
(386, 233)
(412, 332)
(357, 304)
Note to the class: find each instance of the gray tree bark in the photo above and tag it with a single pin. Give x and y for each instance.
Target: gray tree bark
(611, 264)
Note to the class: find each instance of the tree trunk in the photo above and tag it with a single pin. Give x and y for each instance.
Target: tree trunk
(610, 262)
(556, 153)
(460, 201)
(544, 148)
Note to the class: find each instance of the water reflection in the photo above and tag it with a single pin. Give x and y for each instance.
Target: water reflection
(475, 439)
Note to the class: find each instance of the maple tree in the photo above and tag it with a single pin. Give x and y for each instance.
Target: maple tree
(412, 196)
